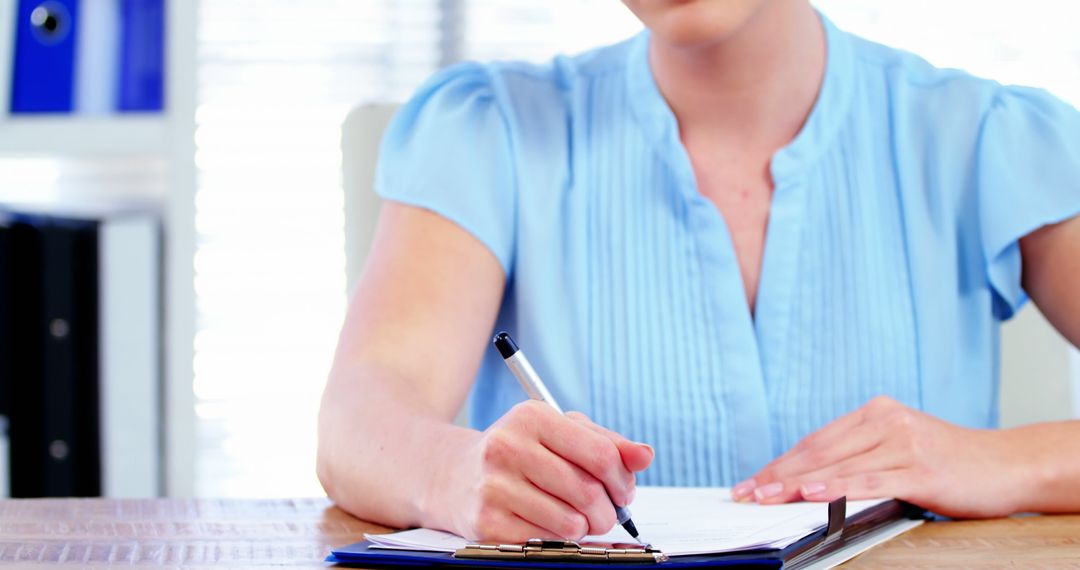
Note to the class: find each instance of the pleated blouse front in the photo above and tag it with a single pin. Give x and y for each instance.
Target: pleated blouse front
(891, 251)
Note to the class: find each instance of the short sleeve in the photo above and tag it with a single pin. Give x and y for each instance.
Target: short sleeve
(448, 150)
(1028, 162)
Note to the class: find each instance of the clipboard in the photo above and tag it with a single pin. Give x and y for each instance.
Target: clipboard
(840, 532)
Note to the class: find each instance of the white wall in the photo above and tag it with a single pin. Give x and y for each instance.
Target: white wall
(1038, 379)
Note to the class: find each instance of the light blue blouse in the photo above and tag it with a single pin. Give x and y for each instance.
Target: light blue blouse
(891, 252)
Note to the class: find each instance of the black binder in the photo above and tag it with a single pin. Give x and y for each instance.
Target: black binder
(48, 354)
(6, 339)
(80, 367)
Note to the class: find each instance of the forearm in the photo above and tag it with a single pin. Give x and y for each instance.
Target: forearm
(1049, 457)
(381, 450)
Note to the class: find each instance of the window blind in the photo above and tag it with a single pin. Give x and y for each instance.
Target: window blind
(276, 80)
(1030, 43)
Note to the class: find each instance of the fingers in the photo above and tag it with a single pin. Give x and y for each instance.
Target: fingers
(553, 472)
(821, 453)
(510, 508)
(880, 437)
(818, 462)
(591, 451)
(574, 486)
(847, 437)
(635, 456)
(795, 487)
(506, 527)
(833, 430)
(544, 511)
(870, 485)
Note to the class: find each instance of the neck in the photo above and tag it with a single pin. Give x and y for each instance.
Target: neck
(755, 87)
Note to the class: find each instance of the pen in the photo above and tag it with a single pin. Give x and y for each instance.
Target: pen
(528, 378)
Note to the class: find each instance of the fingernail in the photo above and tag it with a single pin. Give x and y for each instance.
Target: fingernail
(630, 498)
(770, 490)
(812, 488)
(744, 490)
(647, 447)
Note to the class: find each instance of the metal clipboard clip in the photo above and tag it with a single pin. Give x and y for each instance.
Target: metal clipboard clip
(564, 551)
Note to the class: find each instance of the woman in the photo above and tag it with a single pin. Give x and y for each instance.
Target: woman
(761, 251)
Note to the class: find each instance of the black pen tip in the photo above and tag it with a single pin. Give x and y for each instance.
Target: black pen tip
(630, 528)
(505, 344)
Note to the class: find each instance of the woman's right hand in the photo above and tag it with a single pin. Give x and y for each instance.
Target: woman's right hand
(537, 473)
(389, 452)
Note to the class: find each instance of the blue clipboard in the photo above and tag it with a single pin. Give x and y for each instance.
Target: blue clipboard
(838, 533)
(362, 554)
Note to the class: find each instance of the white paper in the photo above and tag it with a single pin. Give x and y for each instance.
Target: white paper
(418, 539)
(682, 521)
(679, 521)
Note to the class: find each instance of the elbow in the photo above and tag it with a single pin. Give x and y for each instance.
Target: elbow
(324, 454)
(324, 472)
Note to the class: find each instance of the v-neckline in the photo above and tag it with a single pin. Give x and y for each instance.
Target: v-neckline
(656, 117)
(748, 342)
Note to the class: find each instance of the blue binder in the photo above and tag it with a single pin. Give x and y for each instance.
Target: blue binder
(89, 56)
(142, 56)
(43, 74)
(839, 533)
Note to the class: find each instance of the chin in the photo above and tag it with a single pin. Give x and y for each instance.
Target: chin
(692, 23)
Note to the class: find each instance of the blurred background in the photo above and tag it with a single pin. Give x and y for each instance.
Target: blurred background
(241, 165)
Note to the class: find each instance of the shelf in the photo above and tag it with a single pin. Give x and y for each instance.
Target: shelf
(69, 136)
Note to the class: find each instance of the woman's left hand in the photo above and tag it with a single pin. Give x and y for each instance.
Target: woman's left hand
(886, 449)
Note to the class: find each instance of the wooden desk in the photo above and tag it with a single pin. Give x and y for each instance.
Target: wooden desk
(300, 532)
